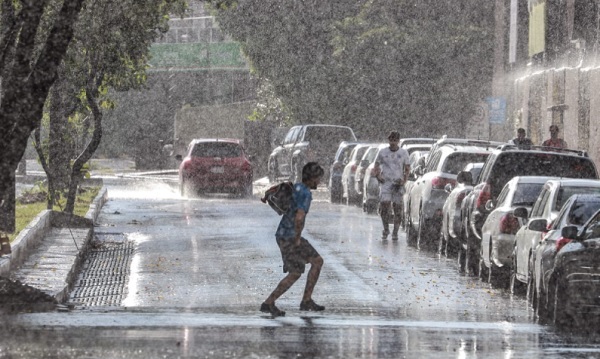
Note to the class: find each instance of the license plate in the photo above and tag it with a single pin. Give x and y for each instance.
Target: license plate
(217, 169)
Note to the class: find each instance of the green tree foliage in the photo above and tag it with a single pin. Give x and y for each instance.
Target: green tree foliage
(110, 49)
(415, 65)
(288, 43)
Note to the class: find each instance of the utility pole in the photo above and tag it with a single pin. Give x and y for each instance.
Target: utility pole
(498, 73)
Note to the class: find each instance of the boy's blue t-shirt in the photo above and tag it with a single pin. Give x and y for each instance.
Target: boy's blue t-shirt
(301, 199)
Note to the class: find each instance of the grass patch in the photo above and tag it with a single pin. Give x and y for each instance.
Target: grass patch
(25, 213)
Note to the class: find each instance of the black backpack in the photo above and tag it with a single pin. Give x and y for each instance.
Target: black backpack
(279, 197)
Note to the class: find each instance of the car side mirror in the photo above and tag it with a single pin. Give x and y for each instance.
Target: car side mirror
(538, 225)
(569, 232)
(520, 212)
(465, 177)
(448, 187)
(489, 205)
(178, 157)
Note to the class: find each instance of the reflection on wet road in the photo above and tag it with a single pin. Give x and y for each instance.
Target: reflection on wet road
(201, 268)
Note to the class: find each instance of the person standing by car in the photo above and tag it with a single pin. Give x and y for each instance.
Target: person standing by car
(521, 140)
(391, 167)
(296, 251)
(554, 140)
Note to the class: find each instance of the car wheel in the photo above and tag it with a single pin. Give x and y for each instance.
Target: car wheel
(516, 286)
(452, 244)
(471, 260)
(496, 275)
(411, 235)
(461, 259)
(335, 196)
(423, 233)
(273, 175)
(185, 189)
(371, 207)
(483, 271)
(247, 190)
(444, 238)
(541, 305)
(560, 313)
(531, 291)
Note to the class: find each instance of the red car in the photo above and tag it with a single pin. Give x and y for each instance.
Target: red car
(215, 166)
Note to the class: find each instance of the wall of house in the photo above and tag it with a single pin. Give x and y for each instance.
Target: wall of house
(568, 97)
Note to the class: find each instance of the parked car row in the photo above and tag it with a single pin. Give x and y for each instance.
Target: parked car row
(521, 219)
(350, 180)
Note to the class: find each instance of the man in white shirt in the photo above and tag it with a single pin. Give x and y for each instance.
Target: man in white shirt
(392, 167)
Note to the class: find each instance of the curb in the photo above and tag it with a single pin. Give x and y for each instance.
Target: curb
(33, 236)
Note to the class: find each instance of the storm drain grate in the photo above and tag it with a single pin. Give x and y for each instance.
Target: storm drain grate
(104, 275)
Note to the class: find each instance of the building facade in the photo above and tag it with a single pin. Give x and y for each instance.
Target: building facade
(548, 70)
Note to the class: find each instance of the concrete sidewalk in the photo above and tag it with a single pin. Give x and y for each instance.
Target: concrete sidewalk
(47, 254)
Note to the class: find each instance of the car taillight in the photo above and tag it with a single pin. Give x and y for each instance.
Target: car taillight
(441, 182)
(460, 198)
(561, 242)
(186, 164)
(484, 195)
(509, 224)
(353, 168)
(246, 166)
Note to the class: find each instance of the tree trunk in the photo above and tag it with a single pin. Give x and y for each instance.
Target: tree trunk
(89, 150)
(60, 143)
(25, 88)
(37, 145)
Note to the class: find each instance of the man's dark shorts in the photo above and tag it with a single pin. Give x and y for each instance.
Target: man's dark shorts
(295, 257)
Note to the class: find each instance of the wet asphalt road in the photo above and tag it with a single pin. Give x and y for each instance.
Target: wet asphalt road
(201, 268)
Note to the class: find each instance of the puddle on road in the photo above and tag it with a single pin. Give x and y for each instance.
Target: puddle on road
(144, 190)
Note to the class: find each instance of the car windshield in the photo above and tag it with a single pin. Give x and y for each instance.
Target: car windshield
(512, 164)
(457, 161)
(566, 192)
(581, 212)
(370, 155)
(526, 194)
(593, 229)
(359, 152)
(216, 149)
(475, 171)
(324, 134)
(344, 153)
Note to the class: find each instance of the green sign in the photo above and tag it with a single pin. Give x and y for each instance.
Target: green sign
(197, 56)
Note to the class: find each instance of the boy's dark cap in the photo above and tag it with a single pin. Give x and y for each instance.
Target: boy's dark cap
(394, 135)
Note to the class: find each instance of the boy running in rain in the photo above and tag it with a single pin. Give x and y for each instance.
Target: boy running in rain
(296, 251)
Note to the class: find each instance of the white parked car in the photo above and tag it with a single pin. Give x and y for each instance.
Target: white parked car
(501, 225)
(349, 194)
(545, 210)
